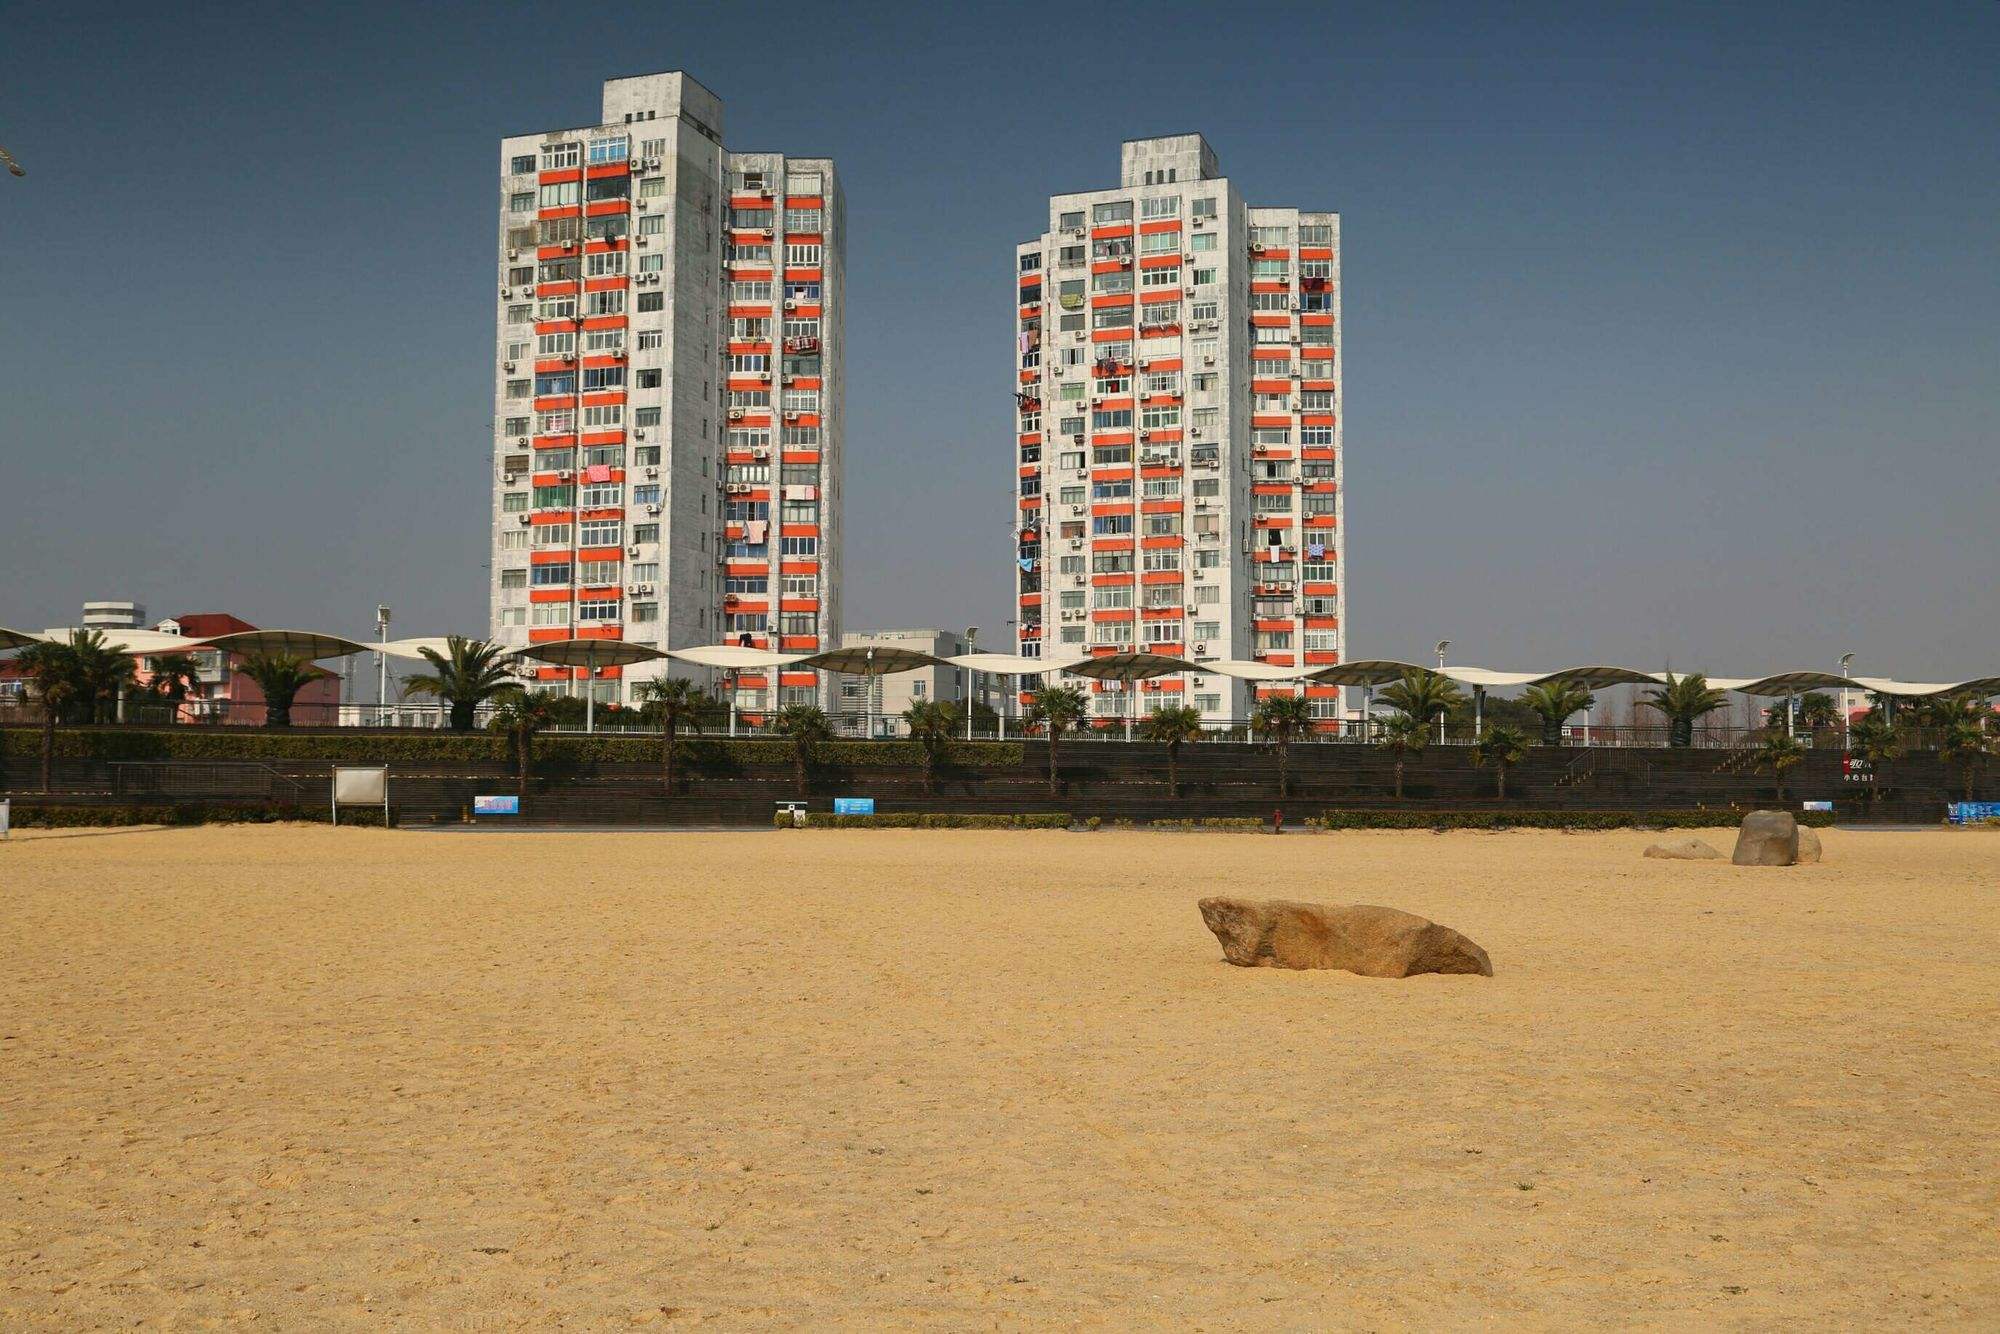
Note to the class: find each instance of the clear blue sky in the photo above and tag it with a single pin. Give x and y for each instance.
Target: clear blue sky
(1669, 330)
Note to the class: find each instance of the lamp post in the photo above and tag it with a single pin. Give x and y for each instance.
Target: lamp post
(1443, 644)
(973, 639)
(381, 664)
(1846, 705)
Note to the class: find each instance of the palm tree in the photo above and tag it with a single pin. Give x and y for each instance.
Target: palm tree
(51, 671)
(1282, 719)
(807, 726)
(280, 678)
(102, 674)
(1504, 747)
(673, 702)
(1684, 700)
(1404, 736)
(1056, 710)
(175, 677)
(1780, 754)
(1556, 702)
(1966, 746)
(1817, 711)
(1173, 725)
(1875, 740)
(932, 726)
(1423, 694)
(467, 674)
(519, 715)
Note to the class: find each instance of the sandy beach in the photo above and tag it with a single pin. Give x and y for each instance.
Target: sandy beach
(319, 1078)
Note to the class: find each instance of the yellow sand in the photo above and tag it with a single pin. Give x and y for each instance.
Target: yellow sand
(329, 1078)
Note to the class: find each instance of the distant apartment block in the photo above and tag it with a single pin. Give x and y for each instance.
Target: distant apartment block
(668, 389)
(1177, 432)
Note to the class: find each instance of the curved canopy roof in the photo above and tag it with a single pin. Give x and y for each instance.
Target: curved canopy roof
(867, 660)
(1246, 669)
(591, 653)
(414, 648)
(1365, 672)
(732, 657)
(1006, 664)
(278, 643)
(1128, 666)
(1597, 676)
(10, 639)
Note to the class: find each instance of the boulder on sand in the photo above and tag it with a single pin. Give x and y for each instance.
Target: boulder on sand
(1767, 838)
(1683, 850)
(1360, 938)
(1808, 846)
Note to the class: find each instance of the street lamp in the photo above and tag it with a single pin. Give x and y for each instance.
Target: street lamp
(381, 664)
(1443, 644)
(1846, 704)
(971, 640)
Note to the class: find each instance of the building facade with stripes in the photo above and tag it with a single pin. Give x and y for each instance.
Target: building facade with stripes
(667, 447)
(1177, 432)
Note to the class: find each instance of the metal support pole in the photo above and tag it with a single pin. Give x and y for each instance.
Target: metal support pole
(1478, 709)
(1586, 724)
(1788, 715)
(590, 690)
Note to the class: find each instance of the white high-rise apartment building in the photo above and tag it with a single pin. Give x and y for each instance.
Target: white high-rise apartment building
(1178, 431)
(667, 389)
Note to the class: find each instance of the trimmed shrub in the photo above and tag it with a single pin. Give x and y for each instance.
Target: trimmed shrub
(418, 747)
(916, 820)
(187, 813)
(1578, 820)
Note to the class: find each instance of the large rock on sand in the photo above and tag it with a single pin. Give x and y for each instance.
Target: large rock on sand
(1683, 850)
(1808, 846)
(1767, 838)
(1371, 941)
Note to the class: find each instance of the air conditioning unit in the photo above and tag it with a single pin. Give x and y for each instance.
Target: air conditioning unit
(652, 509)
(1208, 360)
(791, 303)
(1256, 248)
(631, 551)
(569, 359)
(652, 472)
(507, 293)
(638, 240)
(1190, 291)
(760, 452)
(1076, 544)
(636, 164)
(1078, 232)
(1200, 647)
(642, 203)
(1196, 433)
(1079, 580)
(639, 433)
(764, 377)
(653, 163)
(736, 414)
(565, 475)
(1078, 335)
(523, 520)
(507, 365)
(509, 478)
(513, 254)
(521, 441)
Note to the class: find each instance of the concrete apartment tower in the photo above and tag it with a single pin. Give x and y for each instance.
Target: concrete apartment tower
(1178, 431)
(667, 389)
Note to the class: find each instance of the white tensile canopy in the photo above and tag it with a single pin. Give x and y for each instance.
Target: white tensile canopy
(276, 643)
(866, 660)
(591, 654)
(13, 639)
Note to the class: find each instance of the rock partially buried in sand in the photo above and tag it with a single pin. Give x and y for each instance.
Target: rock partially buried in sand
(1683, 850)
(1808, 847)
(1767, 838)
(1360, 938)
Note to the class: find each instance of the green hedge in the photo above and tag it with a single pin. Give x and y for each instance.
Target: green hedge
(190, 813)
(912, 820)
(246, 743)
(1545, 819)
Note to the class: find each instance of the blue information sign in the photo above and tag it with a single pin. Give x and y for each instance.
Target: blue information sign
(496, 805)
(854, 805)
(1974, 812)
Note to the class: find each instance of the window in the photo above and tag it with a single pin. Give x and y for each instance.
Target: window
(1111, 525)
(652, 187)
(1163, 277)
(1202, 310)
(519, 314)
(560, 194)
(521, 201)
(514, 577)
(513, 502)
(651, 301)
(516, 426)
(1111, 317)
(805, 254)
(1201, 242)
(647, 495)
(800, 546)
(804, 220)
(545, 576)
(1163, 525)
(600, 495)
(1270, 270)
(645, 611)
(604, 456)
(514, 539)
(649, 339)
(1165, 559)
(555, 157)
(598, 533)
(606, 264)
(608, 187)
(603, 377)
(1165, 206)
(609, 150)
(1203, 208)
(802, 183)
(653, 224)
(1119, 210)
(522, 165)
(644, 532)
(611, 414)
(606, 303)
(597, 611)
(1159, 243)
(750, 219)
(1070, 256)
(1271, 237)
(1316, 234)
